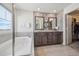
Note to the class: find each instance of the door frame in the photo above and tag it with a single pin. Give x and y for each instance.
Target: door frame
(66, 29)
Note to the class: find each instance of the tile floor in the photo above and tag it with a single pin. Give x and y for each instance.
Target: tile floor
(56, 50)
(75, 45)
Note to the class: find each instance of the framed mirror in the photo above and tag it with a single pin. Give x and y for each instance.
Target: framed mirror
(39, 23)
(52, 22)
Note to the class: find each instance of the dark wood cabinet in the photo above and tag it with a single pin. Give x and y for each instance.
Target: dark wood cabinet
(47, 38)
(43, 38)
(59, 37)
(50, 38)
(37, 39)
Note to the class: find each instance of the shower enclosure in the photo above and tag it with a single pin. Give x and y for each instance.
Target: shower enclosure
(10, 44)
(5, 31)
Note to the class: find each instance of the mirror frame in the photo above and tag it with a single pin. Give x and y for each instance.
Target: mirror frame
(35, 22)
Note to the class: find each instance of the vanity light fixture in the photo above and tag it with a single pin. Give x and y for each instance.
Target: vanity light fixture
(51, 19)
(54, 11)
(38, 9)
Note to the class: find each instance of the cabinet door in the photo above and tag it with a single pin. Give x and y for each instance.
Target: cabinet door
(44, 38)
(59, 37)
(37, 39)
(55, 38)
(50, 38)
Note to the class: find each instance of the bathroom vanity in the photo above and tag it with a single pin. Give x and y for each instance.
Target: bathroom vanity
(46, 30)
(42, 38)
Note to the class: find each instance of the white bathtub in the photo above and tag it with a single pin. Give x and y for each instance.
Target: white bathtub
(22, 47)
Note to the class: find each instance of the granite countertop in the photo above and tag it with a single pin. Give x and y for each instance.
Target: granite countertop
(48, 31)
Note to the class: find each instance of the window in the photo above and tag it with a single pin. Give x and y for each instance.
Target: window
(5, 18)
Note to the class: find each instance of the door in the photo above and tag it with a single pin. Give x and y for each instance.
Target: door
(69, 29)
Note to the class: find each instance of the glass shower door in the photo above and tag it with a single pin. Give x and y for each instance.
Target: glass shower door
(5, 31)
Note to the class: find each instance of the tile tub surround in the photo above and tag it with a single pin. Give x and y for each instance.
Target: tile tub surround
(22, 34)
(56, 50)
(7, 35)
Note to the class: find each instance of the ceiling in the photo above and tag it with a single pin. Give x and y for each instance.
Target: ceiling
(44, 7)
(74, 13)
